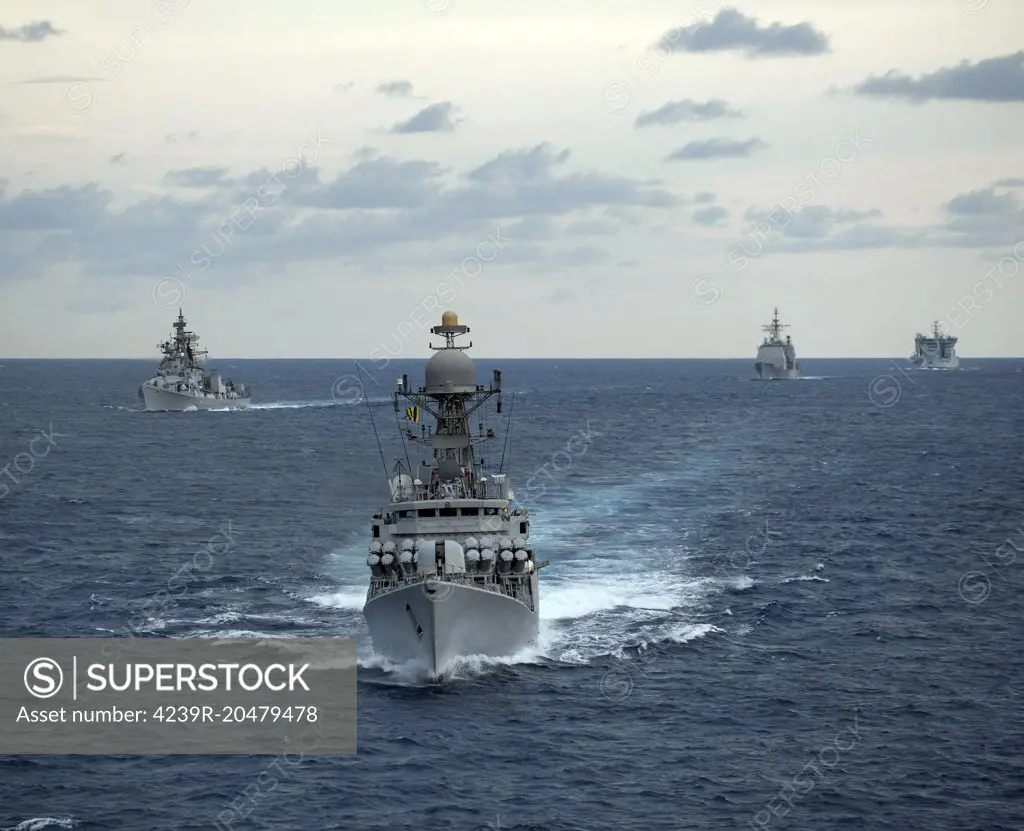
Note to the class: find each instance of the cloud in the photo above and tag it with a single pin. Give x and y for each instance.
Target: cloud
(120, 158)
(703, 198)
(31, 32)
(433, 119)
(688, 110)
(534, 228)
(41, 210)
(174, 138)
(536, 163)
(395, 89)
(515, 183)
(712, 216)
(59, 79)
(580, 256)
(994, 79)
(976, 219)
(1009, 183)
(344, 87)
(983, 219)
(381, 211)
(197, 177)
(981, 202)
(819, 228)
(716, 148)
(592, 228)
(372, 183)
(561, 296)
(733, 31)
(811, 221)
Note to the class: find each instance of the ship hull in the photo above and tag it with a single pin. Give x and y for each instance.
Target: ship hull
(162, 400)
(925, 362)
(434, 623)
(770, 372)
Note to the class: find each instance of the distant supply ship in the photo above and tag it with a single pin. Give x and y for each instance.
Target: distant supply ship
(935, 351)
(451, 571)
(776, 359)
(181, 382)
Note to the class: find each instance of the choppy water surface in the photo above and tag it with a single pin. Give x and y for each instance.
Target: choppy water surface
(782, 605)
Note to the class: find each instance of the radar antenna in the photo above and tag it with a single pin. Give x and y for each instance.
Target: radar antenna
(774, 329)
(451, 395)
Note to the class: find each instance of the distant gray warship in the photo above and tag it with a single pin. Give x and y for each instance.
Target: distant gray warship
(935, 351)
(181, 382)
(775, 359)
(451, 572)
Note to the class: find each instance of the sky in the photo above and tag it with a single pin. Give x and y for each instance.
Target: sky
(637, 178)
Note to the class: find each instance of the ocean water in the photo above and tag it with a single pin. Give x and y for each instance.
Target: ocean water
(769, 605)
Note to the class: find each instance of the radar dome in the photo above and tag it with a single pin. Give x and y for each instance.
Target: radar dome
(449, 319)
(451, 366)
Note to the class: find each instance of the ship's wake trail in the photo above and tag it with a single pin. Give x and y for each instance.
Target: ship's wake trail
(299, 405)
(42, 824)
(621, 578)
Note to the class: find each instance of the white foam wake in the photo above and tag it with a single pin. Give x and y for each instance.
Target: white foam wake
(638, 586)
(41, 823)
(347, 598)
(329, 402)
(294, 405)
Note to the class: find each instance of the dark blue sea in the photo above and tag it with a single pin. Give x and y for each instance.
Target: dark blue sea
(770, 605)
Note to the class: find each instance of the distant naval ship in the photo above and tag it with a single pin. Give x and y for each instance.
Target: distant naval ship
(451, 571)
(181, 382)
(776, 359)
(935, 351)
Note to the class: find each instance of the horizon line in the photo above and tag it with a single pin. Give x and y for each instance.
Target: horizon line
(499, 358)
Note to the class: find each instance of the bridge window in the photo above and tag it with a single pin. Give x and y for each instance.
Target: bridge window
(426, 512)
(449, 512)
(522, 528)
(376, 530)
(470, 511)
(404, 514)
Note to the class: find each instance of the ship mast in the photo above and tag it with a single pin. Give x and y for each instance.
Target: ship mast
(774, 329)
(185, 342)
(451, 395)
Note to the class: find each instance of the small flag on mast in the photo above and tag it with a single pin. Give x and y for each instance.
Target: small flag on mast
(412, 413)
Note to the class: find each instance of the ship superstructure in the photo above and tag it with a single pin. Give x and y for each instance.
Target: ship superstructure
(776, 359)
(181, 382)
(452, 573)
(935, 351)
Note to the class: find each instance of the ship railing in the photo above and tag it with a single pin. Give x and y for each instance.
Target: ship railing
(451, 490)
(515, 586)
(411, 493)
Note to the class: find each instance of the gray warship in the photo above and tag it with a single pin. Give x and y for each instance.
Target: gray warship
(935, 351)
(181, 382)
(452, 573)
(776, 359)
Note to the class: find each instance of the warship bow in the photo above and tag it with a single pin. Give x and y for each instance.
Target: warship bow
(181, 383)
(935, 351)
(776, 359)
(452, 573)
